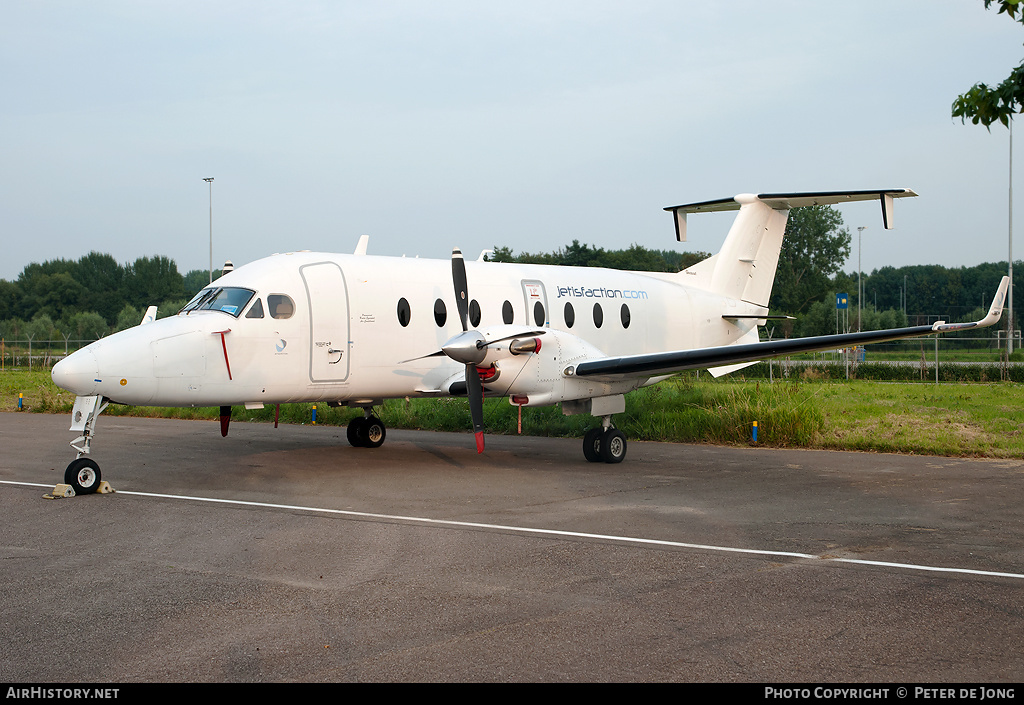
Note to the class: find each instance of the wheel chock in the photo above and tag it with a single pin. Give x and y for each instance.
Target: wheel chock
(63, 491)
(60, 491)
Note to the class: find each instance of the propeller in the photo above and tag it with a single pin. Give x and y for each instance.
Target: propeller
(469, 348)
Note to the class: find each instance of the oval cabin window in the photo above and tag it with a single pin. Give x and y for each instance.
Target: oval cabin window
(404, 312)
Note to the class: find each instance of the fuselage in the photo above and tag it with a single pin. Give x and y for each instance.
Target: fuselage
(306, 326)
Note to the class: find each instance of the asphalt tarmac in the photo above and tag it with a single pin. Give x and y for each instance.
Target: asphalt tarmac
(287, 555)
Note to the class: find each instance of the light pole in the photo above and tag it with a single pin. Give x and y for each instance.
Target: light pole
(1009, 325)
(209, 180)
(860, 231)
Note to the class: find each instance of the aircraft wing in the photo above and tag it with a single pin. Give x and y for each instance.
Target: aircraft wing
(651, 364)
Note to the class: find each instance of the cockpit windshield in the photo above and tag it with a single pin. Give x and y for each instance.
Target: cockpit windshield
(227, 299)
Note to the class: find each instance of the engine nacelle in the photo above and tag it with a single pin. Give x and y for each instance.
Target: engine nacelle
(542, 371)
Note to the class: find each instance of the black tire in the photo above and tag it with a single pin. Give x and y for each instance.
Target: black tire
(83, 475)
(613, 446)
(592, 445)
(373, 432)
(357, 432)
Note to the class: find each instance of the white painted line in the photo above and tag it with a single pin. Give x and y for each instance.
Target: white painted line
(552, 532)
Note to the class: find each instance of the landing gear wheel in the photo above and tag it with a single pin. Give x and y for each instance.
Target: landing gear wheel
(366, 432)
(592, 445)
(613, 446)
(357, 432)
(374, 432)
(83, 475)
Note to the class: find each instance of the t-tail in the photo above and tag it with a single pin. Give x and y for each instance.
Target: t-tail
(744, 269)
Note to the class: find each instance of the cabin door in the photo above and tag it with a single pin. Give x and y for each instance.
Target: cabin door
(327, 296)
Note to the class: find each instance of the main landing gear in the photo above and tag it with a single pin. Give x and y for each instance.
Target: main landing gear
(366, 431)
(605, 443)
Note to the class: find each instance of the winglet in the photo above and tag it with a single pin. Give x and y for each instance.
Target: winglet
(998, 301)
(995, 312)
(364, 240)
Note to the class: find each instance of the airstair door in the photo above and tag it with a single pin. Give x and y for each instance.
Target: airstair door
(327, 296)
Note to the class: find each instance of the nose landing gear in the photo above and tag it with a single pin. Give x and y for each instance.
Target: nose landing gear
(83, 474)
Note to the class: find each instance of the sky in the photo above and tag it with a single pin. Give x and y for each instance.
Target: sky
(431, 125)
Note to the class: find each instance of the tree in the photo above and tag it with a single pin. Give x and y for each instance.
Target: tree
(150, 280)
(10, 297)
(985, 105)
(102, 280)
(195, 281)
(40, 328)
(129, 317)
(54, 295)
(813, 249)
(637, 258)
(86, 326)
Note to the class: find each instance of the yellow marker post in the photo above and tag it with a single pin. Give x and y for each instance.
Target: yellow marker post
(21, 398)
(754, 432)
(314, 414)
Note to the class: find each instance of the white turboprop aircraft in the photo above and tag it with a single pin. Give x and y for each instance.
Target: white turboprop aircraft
(357, 329)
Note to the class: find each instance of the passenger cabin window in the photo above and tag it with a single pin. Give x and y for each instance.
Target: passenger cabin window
(570, 315)
(507, 314)
(280, 305)
(598, 315)
(624, 315)
(538, 313)
(256, 310)
(474, 313)
(404, 312)
(440, 313)
(229, 300)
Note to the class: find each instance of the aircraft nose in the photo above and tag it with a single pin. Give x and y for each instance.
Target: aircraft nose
(77, 373)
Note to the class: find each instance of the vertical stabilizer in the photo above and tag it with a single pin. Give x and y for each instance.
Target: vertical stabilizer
(745, 266)
(744, 269)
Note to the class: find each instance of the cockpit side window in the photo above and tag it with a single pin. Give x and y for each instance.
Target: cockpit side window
(229, 300)
(280, 306)
(256, 310)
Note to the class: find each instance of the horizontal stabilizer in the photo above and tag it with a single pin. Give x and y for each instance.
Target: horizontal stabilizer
(788, 201)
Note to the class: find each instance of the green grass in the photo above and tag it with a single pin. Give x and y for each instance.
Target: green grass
(973, 419)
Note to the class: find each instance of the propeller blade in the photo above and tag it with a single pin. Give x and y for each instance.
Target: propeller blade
(475, 394)
(439, 353)
(461, 287)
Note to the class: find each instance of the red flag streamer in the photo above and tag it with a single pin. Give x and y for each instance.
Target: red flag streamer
(225, 346)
